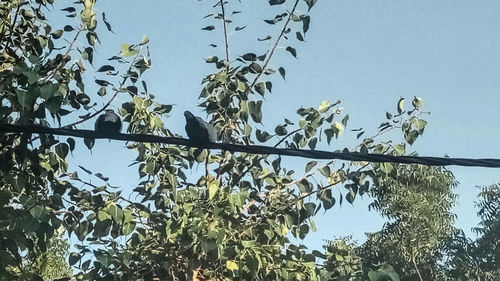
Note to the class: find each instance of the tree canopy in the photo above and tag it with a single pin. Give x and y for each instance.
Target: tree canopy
(234, 219)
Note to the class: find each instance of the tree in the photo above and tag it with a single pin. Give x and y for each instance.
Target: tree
(417, 201)
(49, 264)
(232, 222)
(479, 259)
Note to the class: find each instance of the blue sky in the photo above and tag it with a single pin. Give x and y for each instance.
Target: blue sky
(366, 53)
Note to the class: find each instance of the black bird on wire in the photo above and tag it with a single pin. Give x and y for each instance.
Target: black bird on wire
(108, 122)
(199, 130)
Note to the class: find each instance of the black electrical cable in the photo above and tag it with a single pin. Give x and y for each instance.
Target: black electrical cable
(258, 149)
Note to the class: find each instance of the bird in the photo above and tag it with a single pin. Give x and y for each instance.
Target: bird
(199, 130)
(108, 122)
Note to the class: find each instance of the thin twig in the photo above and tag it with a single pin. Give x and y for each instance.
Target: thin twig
(11, 27)
(284, 138)
(62, 62)
(226, 41)
(275, 44)
(416, 268)
(117, 91)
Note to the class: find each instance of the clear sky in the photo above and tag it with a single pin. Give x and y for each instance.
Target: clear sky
(366, 53)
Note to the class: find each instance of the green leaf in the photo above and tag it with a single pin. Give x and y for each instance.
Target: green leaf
(419, 124)
(399, 149)
(276, 2)
(249, 57)
(292, 51)
(401, 104)
(417, 102)
(89, 142)
(276, 19)
(255, 68)
(128, 51)
(280, 130)
(299, 36)
(312, 143)
(200, 154)
(62, 150)
(89, 54)
(105, 68)
(311, 165)
(268, 37)
(102, 91)
(337, 129)
(386, 167)
(53, 105)
(303, 231)
(310, 3)
(92, 38)
(269, 86)
(262, 136)
(282, 72)
(25, 99)
(345, 119)
(255, 110)
(411, 136)
(231, 265)
(108, 25)
(213, 187)
(116, 213)
(128, 228)
(39, 212)
(208, 28)
(103, 215)
(103, 257)
(213, 59)
(57, 34)
(74, 258)
(71, 143)
(48, 90)
(327, 199)
(305, 23)
(260, 88)
(324, 106)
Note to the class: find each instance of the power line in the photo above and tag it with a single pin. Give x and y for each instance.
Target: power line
(257, 149)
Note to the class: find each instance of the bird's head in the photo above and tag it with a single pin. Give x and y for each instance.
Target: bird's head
(109, 111)
(188, 115)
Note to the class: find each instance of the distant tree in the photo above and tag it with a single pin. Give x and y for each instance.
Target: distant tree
(417, 202)
(478, 259)
(50, 263)
(489, 230)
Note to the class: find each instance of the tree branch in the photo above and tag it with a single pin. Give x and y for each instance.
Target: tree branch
(11, 27)
(416, 268)
(275, 45)
(285, 137)
(225, 33)
(117, 91)
(62, 62)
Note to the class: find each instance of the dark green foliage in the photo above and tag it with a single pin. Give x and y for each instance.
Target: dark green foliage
(231, 222)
